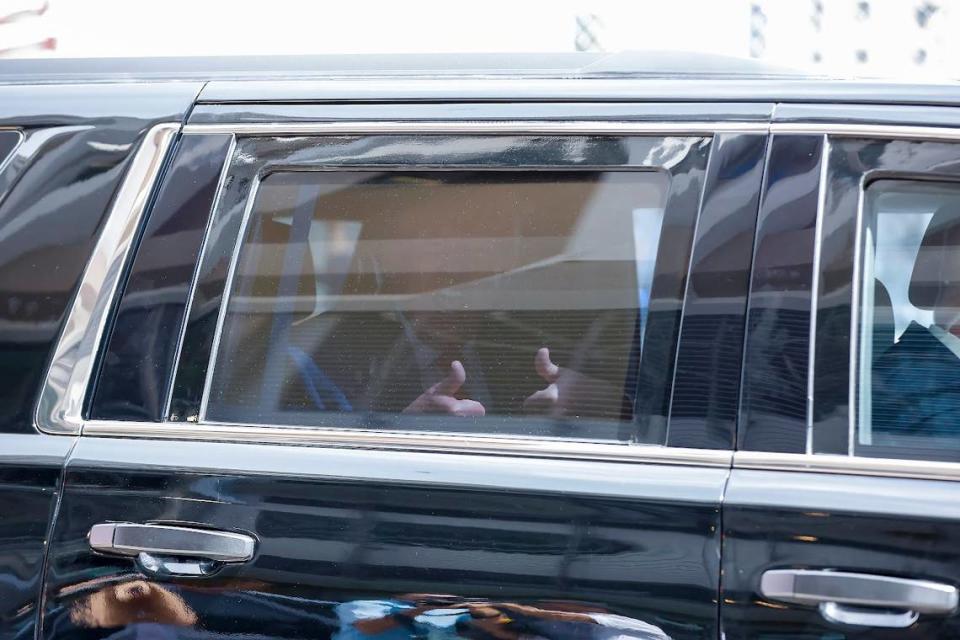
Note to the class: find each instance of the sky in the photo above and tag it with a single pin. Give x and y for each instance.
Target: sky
(874, 38)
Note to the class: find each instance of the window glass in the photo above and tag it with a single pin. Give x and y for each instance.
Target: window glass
(909, 343)
(510, 302)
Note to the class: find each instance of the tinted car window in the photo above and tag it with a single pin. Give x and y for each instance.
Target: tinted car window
(9, 140)
(908, 374)
(508, 302)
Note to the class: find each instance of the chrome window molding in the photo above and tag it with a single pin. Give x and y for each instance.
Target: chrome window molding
(850, 130)
(856, 364)
(476, 444)
(546, 127)
(847, 465)
(60, 407)
(815, 288)
(456, 443)
(479, 127)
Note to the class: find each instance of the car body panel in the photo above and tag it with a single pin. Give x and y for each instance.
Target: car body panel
(583, 547)
(360, 538)
(54, 191)
(337, 528)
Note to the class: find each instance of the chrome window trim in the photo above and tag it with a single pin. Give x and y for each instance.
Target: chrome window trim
(60, 406)
(856, 364)
(851, 130)
(815, 289)
(479, 127)
(847, 465)
(455, 443)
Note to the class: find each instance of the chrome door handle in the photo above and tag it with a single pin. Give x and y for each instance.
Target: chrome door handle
(128, 539)
(853, 598)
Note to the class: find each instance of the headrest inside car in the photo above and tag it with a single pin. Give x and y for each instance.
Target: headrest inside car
(938, 261)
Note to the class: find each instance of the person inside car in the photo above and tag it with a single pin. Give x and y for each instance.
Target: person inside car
(916, 382)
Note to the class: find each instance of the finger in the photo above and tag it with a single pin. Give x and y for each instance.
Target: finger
(544, 366)
(468, 408)
(542, 400)
(452, 383)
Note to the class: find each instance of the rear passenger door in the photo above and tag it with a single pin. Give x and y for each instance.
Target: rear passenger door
(841, 517)
(391, 380)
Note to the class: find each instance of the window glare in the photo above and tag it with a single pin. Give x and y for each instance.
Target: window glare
(358, 292)
(909, 353)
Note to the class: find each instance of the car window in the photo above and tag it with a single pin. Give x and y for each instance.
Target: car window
(9, 140)
(908, 352)
(490, 301)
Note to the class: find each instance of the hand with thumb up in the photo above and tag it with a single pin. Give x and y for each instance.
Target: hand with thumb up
(440, 397)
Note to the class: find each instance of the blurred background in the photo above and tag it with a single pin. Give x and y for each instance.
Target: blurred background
(908, 39)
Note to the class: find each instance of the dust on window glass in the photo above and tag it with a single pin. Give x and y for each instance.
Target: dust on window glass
(511, 302)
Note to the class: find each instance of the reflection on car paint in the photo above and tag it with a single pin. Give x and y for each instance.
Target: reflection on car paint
(150, 610)
(131, 602)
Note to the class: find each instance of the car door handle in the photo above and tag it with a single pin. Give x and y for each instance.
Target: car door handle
(854, 598)
(129, 539)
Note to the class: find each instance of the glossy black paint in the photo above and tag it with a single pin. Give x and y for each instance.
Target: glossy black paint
(30, 468)
(783, 520)
(345, 526)
(54, 191)
(138, 362)
(773, 411)
(706, 386)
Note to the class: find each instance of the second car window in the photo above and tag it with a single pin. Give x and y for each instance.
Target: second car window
(513, 300)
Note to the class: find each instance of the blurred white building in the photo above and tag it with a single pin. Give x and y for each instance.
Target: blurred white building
(885, 38)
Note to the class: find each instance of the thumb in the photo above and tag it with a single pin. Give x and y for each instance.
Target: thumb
(545, 367)
(452, 382)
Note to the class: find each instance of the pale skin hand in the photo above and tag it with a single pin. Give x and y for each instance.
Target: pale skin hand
(566, 390)
(549, 400)
(440, 397)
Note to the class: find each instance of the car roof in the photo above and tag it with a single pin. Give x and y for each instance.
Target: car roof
(625, 76)
(543, 65)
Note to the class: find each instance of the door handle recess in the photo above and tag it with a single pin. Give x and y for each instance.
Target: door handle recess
(854, 598)
(128, 539)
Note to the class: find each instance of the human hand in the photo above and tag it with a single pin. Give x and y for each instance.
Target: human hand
(569, 392)
(551, 399)
(440, 397)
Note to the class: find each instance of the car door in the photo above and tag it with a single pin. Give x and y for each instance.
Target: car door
(840, 518)
(64, 152)
(439, 377)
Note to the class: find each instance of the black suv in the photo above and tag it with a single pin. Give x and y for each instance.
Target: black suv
(414, 348)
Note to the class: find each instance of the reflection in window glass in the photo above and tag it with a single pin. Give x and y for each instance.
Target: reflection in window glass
(909, 343)
(493, 302)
